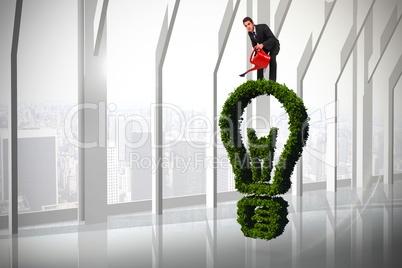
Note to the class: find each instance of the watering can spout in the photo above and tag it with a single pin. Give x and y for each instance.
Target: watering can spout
(261, 61)
(252, 69)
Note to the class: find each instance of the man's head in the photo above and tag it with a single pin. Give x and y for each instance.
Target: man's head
(248, 23)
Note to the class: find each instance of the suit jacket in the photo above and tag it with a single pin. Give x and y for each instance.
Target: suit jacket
(265, 37)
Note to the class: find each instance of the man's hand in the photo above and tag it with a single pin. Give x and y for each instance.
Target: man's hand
(259, 46)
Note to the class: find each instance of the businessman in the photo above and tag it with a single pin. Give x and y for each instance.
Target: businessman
(262, 38)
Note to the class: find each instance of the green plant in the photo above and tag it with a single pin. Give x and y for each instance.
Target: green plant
(262, 216)
(253, 170)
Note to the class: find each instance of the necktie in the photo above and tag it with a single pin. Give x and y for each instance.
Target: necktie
(255, 36)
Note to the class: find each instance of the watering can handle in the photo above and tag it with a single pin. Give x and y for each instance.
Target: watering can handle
(252, 53)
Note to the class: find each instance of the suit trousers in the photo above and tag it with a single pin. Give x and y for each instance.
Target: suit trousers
(272, 70)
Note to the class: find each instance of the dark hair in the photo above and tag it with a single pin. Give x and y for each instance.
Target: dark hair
(247, 19)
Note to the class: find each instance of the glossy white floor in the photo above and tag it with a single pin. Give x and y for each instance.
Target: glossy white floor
(352, 228)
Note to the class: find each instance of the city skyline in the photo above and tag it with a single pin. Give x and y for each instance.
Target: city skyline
(37, 115)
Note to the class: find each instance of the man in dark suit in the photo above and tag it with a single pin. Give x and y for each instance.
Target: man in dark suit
(262, 38)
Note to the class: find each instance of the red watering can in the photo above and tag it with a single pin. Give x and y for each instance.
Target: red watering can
(261, 61)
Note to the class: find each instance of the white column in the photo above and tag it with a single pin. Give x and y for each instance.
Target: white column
(157, 241)
(81, 99)
(157, 113)
(297, 177)
(224, 32)
(389, 137)
(262, 107)
(364, 107)
(13, 126)
(331, 154)
(157, 125)
(211, 237)
(364, 239)
(296, 230)
(386, 37)
(389, 124)
(261, 115)
(280, 15)
(331, 229)
(349, 47)
(353, 236)
(249, 75)
(249, 49)
(95, 98)
(353, 182)
(388, 225)
(250, 258)
(263, 103)
(93, 248)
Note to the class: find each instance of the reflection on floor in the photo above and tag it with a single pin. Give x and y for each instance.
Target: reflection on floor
(352, 228)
